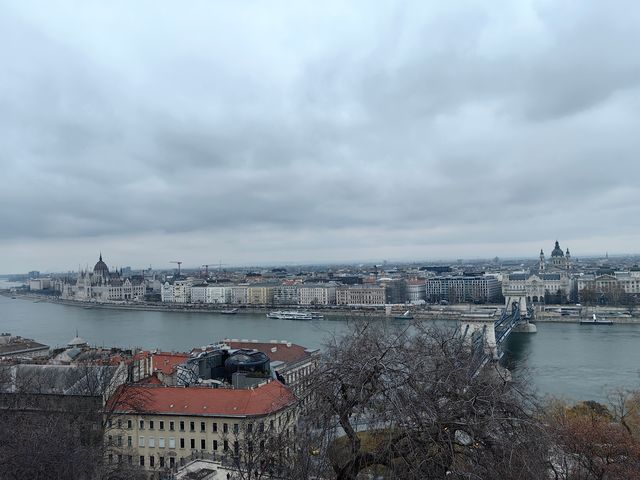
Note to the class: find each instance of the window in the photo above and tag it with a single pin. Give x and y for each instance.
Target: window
(119, 458)
(130, 459)
(236, 447)
(142, 460)
(271, 424)
(182, 443)
(225, 446)
(141, 441)
(236, 428)
(261, 427)
(161, 462)
(161, 442)
(172, 462)
(120, 423)
(151, 424)
(203, 444)
(161, 425)
(172, 442)
(215, 426)
(129, 424)
(215, 445)
(193, 443)
(110, 458)
(181, 425)
(109, 440)
(152, 442)
(250, 427)
(202, 426)
(192, 426)
(141, 424)
(119, 440)
(172, 426)
(129, 441)
(152, 461)
(225, 428)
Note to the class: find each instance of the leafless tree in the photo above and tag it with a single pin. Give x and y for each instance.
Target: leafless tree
(410, 404)
(53, 421)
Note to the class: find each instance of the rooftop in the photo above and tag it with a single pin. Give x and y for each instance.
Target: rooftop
(207, 401)
(285, 352)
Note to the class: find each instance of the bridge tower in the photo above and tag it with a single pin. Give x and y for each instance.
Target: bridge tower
(518, 299)
(480, 332)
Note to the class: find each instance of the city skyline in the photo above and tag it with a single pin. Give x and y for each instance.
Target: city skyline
(316, 133)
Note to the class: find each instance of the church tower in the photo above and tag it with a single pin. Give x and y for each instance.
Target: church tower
(541, 268)
(567, 256)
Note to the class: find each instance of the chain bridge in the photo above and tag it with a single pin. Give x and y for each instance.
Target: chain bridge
(488, 335)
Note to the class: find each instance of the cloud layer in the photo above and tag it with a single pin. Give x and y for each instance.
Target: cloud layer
(262, 131)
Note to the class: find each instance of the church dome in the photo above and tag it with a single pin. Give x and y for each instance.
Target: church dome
(557, 251)
(101, 267)
(77, 342)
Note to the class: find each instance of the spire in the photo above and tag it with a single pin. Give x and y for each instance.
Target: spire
(101, 254)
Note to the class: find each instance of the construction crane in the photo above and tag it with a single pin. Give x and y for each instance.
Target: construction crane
(179, 263)
(206, 267)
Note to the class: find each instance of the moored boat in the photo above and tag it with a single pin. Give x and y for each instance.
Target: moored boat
(595, 321)
(232, 311)
(405, 316)
(290, 315)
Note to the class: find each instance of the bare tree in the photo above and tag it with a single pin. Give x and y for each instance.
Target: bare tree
(54, 419)
(410, 405)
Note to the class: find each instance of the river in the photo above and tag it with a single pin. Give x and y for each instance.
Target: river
(562, 359)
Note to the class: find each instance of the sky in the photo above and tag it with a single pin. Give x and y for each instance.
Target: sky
(306, 132)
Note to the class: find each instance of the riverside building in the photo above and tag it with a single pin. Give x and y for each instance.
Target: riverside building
(160, 428)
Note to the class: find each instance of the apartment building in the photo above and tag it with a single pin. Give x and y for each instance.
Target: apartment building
(160, 428)
(361, 295)
(457, 289)
(317, 294)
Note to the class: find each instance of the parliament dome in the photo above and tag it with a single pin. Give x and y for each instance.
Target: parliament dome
(101, 267)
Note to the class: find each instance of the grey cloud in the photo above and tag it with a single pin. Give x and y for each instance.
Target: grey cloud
(425, 124)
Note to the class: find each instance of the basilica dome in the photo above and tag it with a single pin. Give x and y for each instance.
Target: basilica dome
(557, 251)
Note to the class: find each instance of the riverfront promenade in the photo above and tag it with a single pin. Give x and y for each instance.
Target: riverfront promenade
(423, 312)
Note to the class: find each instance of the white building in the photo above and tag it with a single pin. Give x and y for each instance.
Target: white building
(178, 291)
(317, 294)
(219, 294)
(199, 293)
(416, 291)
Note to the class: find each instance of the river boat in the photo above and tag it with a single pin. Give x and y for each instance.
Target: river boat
(290, 315)
(233, 311)
(595, 321)
(405, 316)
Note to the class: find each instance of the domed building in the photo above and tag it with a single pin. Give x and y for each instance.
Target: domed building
(550, 283)
(559, 259)
(103, 285)
(101, 268)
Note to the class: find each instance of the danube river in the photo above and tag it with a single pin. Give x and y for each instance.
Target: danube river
(569, 360)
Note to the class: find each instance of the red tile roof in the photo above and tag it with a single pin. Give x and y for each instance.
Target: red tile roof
(284, 353)
(165, 361)
(208, 401)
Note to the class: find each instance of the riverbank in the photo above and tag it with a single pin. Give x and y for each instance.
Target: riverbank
(429, 312)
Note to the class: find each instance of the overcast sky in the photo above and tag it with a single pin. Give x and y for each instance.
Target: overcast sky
(278, 132)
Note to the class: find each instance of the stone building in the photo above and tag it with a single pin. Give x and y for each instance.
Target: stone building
(551, 281)
(104, 285)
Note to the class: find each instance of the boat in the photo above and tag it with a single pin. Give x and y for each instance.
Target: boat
(290, 315)
(233, 311)
(595, 321)
(405, 316)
